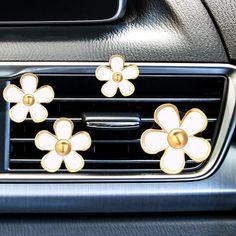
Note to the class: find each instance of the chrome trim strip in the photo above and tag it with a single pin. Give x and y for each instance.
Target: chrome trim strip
(221, 145)
(141, 99)
(142, 119)
(20, 140)
(88, 63)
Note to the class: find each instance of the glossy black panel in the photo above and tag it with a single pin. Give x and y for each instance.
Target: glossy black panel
(57, 10)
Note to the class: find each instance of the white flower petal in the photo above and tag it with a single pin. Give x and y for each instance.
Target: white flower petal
(38, 112)
(126, 87)
(109, 89)
(45, 94)
(130, 72)
(154, 141)
(167, 117)
(13, 94)
(74, 162)
(63, 128)
(45, 141)
(104, 73)
(18, 113)
(194, 122)
(117, 63)
(51, 162)
(172, 161)
(29, 83)
(198, 149)
(80, 141)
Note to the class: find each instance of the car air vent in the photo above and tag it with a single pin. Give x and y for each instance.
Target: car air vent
(116, 151)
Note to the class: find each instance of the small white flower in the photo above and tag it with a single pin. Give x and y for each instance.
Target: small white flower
(117, 76)
(28, 99)
(177, 138)
(62, 146)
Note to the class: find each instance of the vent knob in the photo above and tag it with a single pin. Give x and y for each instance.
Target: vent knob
(112, 120)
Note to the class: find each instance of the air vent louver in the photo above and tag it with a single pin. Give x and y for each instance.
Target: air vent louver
(116, 152)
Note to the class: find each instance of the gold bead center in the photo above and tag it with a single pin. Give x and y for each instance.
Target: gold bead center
(28, 100)
(117, 77)
(63, 147)
(177, 138)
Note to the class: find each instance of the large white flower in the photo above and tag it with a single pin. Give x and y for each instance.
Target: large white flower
(117, 76)
(28, 99)
(62, 146)
(177, 138)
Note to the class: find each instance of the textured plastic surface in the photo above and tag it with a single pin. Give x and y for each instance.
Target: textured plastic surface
(224, 14)
(154, 31)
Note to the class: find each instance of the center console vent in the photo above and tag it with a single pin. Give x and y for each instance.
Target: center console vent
(116, 151)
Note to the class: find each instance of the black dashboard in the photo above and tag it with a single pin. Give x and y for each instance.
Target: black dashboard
(186, 52)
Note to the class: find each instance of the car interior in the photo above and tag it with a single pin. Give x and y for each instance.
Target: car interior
(117, 117)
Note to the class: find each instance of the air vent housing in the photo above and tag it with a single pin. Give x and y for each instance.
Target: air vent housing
(117, 152)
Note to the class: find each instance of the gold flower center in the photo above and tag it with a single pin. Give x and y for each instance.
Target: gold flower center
(117, 77)
(28, 100)
(63, 147)
(177, 138)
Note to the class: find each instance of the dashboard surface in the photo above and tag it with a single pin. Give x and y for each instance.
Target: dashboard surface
(151, 31)
(169, 31)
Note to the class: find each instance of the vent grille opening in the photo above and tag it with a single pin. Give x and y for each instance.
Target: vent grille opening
(116, 152)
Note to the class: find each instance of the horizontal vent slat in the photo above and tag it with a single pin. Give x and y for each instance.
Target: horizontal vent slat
(135, 100)
(146, 119)
(100, 161)
(103, 171)
(23, 140)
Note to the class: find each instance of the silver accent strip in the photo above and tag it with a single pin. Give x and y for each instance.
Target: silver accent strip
(142, 119)
(20, 140)
(141, 99)
(119, 14)
(89, 63)
(218, 153)
(111, 121)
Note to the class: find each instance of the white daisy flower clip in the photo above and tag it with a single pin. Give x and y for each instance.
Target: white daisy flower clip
(177, 138)
(28, 99)
(117, 76)
(62, 146)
